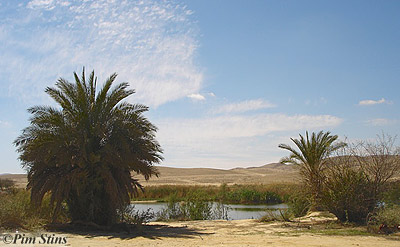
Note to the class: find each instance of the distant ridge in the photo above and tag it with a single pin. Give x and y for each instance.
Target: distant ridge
(266, 174)
(20, 180)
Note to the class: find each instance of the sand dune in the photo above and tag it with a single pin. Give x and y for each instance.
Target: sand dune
(267, 174)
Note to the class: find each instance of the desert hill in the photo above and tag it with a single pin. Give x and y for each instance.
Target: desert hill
(267, 174)
(20, 180)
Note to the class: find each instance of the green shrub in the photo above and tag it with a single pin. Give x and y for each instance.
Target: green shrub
(130, 216)
(6, 184)
(392, 193)
(195, 207)
(349, 196)
(248, 194)
(385, 220)
(277, 215)
(16, 211)
(299, 203)
(197, 210)
(13, 209)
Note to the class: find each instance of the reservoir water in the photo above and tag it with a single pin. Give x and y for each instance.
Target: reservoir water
(234, 211)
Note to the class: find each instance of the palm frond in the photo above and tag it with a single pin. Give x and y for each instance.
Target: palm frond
(85, 152)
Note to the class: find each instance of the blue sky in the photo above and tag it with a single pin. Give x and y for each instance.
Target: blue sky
(226, 81)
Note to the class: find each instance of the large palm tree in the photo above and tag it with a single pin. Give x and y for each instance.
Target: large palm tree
(310, 157)
(84, 151)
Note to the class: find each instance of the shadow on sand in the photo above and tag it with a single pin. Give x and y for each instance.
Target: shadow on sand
(129, 232)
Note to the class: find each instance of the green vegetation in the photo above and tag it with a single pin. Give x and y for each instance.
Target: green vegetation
(385, 220)
(299, 203)
(130, 216)
(358, 179)
(239, 194)
(6, 184)
(311, 160)
(354, 184)
(207, 202)
(348, 195)
(16, 211)
(195, 207)
(283, 215)
(83, 153)
(336, 229)
(391, 195)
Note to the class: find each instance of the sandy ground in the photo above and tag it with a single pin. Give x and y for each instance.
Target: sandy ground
(220, 233)
(228, 233)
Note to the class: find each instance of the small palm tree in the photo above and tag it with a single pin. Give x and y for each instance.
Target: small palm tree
(84, 152)
(310, 158)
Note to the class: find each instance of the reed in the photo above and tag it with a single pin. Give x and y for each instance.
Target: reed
(242, 194)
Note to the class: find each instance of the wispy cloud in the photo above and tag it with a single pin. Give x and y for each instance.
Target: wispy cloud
(316, 102)
(373, 102)
(382, 122)
(244, 106)
(232, 140)
(45, 4)
(196, 97)
(4, 124)
(244, 126)
(151, 44)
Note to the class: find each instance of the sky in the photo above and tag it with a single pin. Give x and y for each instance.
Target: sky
(226, 81)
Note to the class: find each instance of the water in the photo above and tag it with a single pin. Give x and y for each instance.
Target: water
(242, 212)
(235, 211)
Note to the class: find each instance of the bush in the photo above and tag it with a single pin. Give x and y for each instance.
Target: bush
(283, 215)
(13, 209)
(130, 216)
(392, 193)
(349, 196)
(16, 211)
(6, 184)
(299, 203)
(385, 220)
(196, 207)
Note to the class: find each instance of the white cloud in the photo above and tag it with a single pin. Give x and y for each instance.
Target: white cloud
(5, 124)
(381, 122)
(373, 102)
(229, 141)
(151, 44)
(196, 96)
(244, 106)
(242, 126)
(46, 4)
(314, 102)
